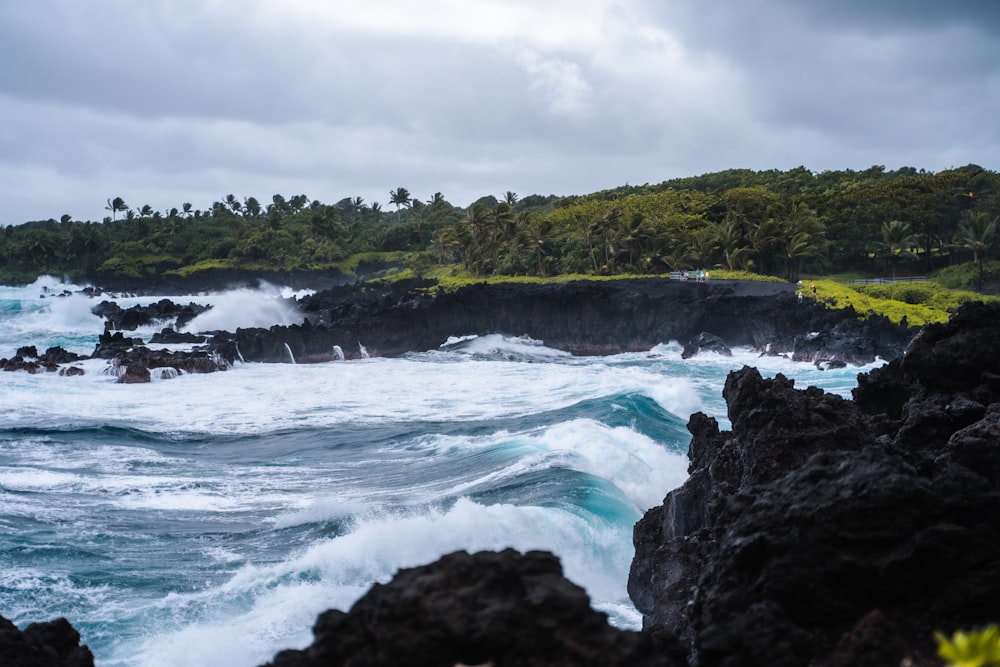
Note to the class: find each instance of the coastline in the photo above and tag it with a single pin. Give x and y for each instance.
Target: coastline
(789, 452)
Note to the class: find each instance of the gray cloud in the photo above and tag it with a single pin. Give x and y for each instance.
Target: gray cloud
(175, 100)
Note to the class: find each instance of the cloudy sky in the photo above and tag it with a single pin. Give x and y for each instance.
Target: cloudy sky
(163, 102)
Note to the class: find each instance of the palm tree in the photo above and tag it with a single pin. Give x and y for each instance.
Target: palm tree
(604, 230)
(115, 205)
(251, 207)
(399, 197)
(803, 237)
(977, 233)
(233, 203)
(733, 244)
(897, 239)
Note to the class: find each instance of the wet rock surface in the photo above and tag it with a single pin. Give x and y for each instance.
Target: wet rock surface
(498, 608)
(49, 644)
(817, 524)
(584, 317)
(164, 310)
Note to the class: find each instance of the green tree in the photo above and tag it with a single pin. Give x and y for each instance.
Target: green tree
(897, 240)
(977, 233)
(115, 206)
(803, 237)
(400, 197)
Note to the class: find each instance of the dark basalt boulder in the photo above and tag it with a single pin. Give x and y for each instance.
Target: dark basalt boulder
(136, 365)
(820, 530)
(502, 609)
(168, 336)
(705, 342)
(130, 319)
(50, 644)
(112, 345)
(28, 359)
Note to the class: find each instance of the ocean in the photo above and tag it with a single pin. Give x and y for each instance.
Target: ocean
(205, 520)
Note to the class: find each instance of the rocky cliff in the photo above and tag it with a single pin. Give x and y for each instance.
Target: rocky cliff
(585, 317)
(582, 317)
(822, 531)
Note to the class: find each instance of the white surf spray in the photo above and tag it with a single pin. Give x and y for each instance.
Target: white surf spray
(246, 308)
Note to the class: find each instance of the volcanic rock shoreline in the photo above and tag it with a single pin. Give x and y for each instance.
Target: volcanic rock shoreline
(821, 531)
(818, 531)
(584, 317)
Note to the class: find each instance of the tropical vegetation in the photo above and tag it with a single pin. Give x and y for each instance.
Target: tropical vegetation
(784, 224)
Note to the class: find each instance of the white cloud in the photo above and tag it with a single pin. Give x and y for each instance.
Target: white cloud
(562, 81)
(185, 100)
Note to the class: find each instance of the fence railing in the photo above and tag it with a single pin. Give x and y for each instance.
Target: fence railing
(900, 279)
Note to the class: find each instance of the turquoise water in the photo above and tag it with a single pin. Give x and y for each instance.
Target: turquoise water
(207, 519)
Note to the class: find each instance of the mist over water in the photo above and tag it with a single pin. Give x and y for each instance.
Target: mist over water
(207, 519)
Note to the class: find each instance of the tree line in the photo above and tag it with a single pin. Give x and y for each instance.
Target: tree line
(773, 222)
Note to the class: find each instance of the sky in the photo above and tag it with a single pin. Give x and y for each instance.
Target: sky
(163, 102)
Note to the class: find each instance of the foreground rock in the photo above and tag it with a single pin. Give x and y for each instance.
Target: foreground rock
(821, 531)
(488, 608)
(584, 317)
(52, 644)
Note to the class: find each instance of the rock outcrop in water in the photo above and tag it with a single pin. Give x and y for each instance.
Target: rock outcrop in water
(133, 317)
(501, 609)
(822, 531)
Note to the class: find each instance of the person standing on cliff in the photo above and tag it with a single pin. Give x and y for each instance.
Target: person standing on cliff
(812, 283)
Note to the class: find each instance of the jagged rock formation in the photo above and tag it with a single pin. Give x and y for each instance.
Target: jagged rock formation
(501, 609)
(51, 644)
(821, 531)
(582, 317)
(129, 319)
(27, 359)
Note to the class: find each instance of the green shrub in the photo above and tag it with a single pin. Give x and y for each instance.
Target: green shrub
(722, 274)
(979, 648)
(928, 294)
(838, 295)
(966, 276)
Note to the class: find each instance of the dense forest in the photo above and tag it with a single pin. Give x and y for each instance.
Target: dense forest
(779, 223)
